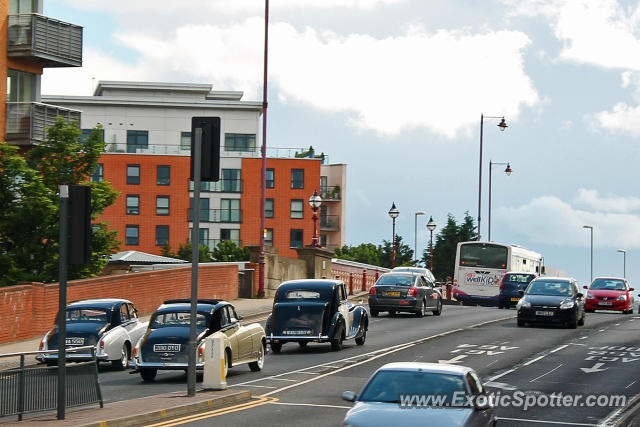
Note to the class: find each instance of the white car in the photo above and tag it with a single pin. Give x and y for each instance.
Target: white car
(110, 325)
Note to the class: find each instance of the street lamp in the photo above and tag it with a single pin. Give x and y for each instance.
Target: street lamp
(624, 262)
(431, 225)
(590, 227)
(508, 172)
(502, 125)
(415, 234)
(315, 201)
(393, 213)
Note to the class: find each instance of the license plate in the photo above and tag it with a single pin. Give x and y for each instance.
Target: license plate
(515, 299)
(605, 303)
(296, 332)
(544, 313)
(392, 294)
(166, 347)
(74, 341)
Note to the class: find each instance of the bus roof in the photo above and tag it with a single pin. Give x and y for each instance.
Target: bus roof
(515, 249)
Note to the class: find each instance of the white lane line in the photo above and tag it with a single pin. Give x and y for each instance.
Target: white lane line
(501, 375)
(315, 405)
(308, 373)
(630, 384)
(495, 361)
(617, 324)
(254, 385)
(545, 355)
(283, 379)
(544, 422)
(537, 378)
(583, 338)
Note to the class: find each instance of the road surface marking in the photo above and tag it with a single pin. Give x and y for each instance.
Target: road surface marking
(283, 379)
(537, 378)
(545, 422)
(630, 384)
(495, 361)
(261, 386)
(315, 405)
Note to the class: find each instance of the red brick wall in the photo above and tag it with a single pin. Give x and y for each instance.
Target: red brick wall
(28, 311)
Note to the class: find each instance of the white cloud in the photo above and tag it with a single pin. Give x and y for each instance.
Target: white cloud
(590, 199)
(550, 220)
(441, 81)
(623, 118)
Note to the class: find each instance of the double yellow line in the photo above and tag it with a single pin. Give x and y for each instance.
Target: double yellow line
(217, 412)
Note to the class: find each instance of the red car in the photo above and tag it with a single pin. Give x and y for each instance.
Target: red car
(609, 293)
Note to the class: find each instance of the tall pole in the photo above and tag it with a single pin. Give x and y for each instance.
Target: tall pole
(62, 302)
(314, 239)
(264, 153)
(624, 262)
(489, 224)
(393, 247)
(431, 250)
(590, 227)
(415, 235)
(480, 175)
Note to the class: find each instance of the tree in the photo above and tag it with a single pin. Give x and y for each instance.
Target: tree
(366, 253)
(185, 252)
(29, 218)
(404, 254)
(227, 250)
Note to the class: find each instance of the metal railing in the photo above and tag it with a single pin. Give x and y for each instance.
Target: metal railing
(331, 192)
(27, 121)
(218, 215)
(329, 222)
(222, 186)
(52, 42)
(27, 389)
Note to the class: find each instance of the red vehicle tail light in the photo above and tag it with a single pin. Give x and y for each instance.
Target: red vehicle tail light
(372, 290)
(101, 344)
(412, 292)
(135, 351)
(200, 351)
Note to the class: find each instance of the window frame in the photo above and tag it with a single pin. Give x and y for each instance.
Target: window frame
(300, 212)
(291, 241)
(167, 178)
(133, 179)
(245, 142)
(269, 213)
(135, 227)
(132, 207)
(136, 135)
(273, 178)
(297, 184)
(168, 207)
(162, 227)
(98, 173)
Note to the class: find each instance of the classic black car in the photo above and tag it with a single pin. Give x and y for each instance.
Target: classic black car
(412, 292)
(110, 324)
(164, 345)
(552, 300)
(315, 310)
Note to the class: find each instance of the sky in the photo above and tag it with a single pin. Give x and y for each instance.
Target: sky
(396, 88)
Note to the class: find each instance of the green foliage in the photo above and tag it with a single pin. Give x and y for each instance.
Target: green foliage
(185, 252)
(380, 255)
(29, 218)
(227, 250)
(404, 254)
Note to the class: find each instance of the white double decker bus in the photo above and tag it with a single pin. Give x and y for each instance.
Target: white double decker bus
(480, 266)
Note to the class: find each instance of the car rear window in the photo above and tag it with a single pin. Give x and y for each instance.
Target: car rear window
(302, 294)
(518, 278)
(87, 315)
(177, 318)
(396, 280)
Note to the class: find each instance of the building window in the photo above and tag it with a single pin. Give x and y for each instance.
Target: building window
(297, 178)
(133, 204)
(185, 141)
(268, 236)
(132, 235)
(21, 86)
(296, 238)
(323, 240)
(297, 206)
(230, 210)
(239, 142)
(203, 234)
(98, 173)
(205, 212)
(268, 208)
(137, 139)
(162, 235)
(133, 174)
(163, 175)
(231, 182)
(22, 6)
(162, 205)
(270, 178)
(86, 133)
(232, 234)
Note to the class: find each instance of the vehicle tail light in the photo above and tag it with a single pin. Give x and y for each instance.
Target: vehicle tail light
(101, 344)
(41, 345)
(135, 352)
(372, 290)
(502, 282)
(200, 352)
(412, 292)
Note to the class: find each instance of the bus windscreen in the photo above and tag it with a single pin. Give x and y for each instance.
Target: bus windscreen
(483, 255)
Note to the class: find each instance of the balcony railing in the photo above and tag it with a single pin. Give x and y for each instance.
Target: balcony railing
(213, 243)
(222, 186)
(27, 121)
(330, 193)
(51, 42)
(218, 215)
(329, 222)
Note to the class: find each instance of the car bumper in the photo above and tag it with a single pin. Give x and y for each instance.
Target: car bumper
(297, 338)
(165, 366)
(508, 299)
(397, 304)
(73, 357)
(615, 305)
(534, 315)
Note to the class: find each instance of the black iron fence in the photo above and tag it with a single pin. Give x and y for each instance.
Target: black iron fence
(29, 389)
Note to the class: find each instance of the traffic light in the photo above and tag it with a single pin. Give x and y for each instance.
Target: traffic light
(79, 224)
(210, 143)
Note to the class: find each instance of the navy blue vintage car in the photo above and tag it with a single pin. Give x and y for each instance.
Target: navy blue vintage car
(315, 310)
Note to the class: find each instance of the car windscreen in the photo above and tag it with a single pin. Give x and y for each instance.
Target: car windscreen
(518, 278)
(483, 255)
(177, 318)
(398, 280)
(94, 315)
(608, 284)
(551, 288)
(389, 386)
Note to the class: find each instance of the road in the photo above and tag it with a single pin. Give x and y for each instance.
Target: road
(601, 357)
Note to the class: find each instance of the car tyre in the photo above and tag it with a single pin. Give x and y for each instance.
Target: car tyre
(520, 323)
(303, 344)
(123, 362)
(392, 313)
(227, 362)
(573, 324)
(581, 321)
(336, 340)
(374, 313)
(148, 374)
(360, 340)
(258, 364)
(276, 347)
(589, 310)
(422, 311)
(438, 310)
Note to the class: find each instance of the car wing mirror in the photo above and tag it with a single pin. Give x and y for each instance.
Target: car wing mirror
(240, 317)
(521, 293)
(585, 287)
(579, 295)
(349, 396)
(631, 289)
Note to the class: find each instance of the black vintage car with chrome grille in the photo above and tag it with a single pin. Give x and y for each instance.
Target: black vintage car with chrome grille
(164, 345)
(315, 310)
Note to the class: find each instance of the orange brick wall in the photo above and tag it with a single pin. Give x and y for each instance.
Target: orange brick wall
(282, 193)
(115, 171)
(28, 311)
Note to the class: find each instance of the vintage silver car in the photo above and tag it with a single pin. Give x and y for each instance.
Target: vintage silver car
(164, 345)
(111, 325)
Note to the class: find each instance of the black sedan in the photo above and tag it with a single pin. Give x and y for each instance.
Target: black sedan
(409, 292)
(552, 300)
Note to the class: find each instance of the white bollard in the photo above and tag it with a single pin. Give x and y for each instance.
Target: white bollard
(214, 355)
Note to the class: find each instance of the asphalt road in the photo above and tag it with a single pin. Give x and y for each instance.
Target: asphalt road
(304, 386)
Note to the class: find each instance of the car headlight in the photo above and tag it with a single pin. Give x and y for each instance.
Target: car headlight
(622, 297)
(590, 295)
(523, 303)
(567, 304)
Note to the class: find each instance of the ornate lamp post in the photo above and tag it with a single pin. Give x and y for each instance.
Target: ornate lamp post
(393, 213)
(508, 172)
(431, 225)
(315, 201)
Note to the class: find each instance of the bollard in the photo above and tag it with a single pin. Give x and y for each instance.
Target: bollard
(376, 277)
(214, 364)
(350, 283)
(364, 281)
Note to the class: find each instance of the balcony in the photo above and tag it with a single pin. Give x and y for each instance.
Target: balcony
(233, 216)
(330, 193)
(46, 40)
(27, 121)
(329, 222)
(222, 186)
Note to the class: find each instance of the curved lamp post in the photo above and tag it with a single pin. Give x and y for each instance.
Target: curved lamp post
(393, 213)
(431, 225)
(508, 172)
(315, 201)
(502, 125)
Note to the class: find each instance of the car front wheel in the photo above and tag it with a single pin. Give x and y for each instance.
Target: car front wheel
(148, 375)
(438, 310)
(259, 363)
(336, 341)
(361, 340)
(276, 347)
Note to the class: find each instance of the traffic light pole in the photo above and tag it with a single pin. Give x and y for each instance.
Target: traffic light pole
(195, 255)
(62, 299)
